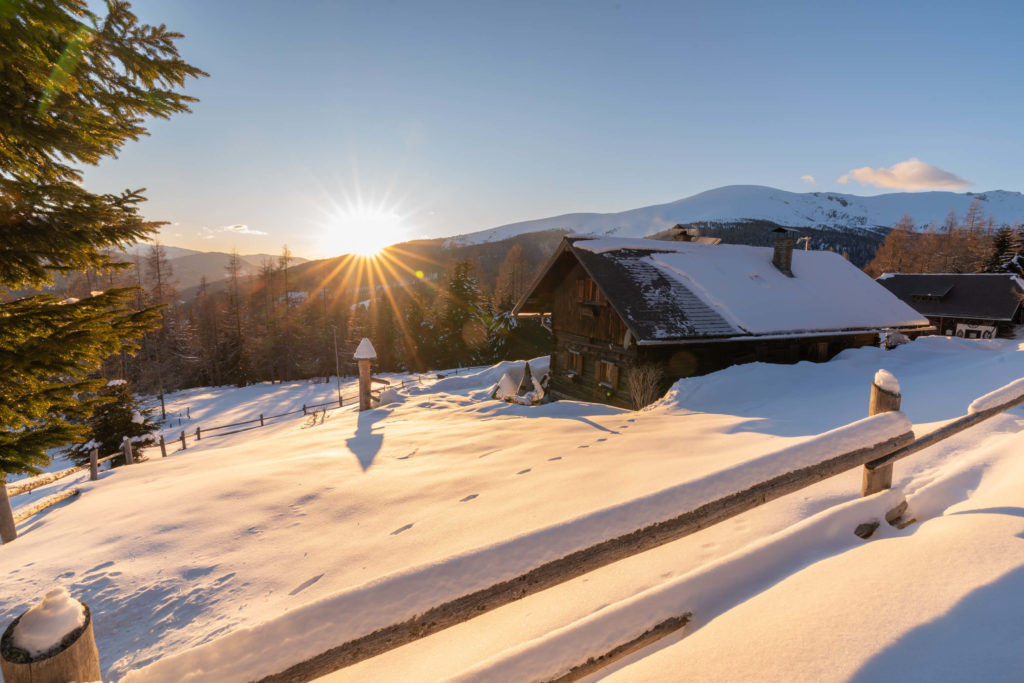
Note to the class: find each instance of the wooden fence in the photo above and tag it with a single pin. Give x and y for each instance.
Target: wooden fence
(8, 519)
(872, 457)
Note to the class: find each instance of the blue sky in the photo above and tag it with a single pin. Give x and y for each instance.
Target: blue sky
(456, 117)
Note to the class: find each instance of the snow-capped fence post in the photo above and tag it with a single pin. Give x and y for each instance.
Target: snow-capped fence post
(94, 464)
(885, 398)
(8, 532)
(126, 445)
(56, 648)
(163, 447)
(364, 354)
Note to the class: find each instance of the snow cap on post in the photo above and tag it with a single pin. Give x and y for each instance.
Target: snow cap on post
(365, 351)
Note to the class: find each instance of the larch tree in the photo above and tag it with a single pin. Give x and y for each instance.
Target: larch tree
(75, 85)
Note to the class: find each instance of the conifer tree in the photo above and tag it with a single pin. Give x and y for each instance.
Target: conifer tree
(117, 417)
(74, 87)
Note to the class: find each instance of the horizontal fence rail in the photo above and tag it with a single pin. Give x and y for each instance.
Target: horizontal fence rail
(575, 564)
(255, 423)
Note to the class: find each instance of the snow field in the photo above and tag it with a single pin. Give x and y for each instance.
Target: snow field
(259, 532)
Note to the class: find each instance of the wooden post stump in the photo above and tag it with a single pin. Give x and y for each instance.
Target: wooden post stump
(75, 658)
(163, 447)
(885, 398)
(261, 419)
(127, 446)
(8, 532)
(364, 354)
(199, 434)
(94, 464)
(183, 446)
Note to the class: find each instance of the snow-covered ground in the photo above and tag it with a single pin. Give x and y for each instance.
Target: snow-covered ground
(302, 534)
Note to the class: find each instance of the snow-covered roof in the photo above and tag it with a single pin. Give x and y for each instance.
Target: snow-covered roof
(679, 291)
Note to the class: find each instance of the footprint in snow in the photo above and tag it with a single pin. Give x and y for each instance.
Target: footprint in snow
(523, 471)
(484, 455)
(601, 439)
(557, 457)
(584, 446)
(469, 497)
(401, 529)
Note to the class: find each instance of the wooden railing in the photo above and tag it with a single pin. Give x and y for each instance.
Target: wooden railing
(8, 519)
(205, 432)
(552, 573)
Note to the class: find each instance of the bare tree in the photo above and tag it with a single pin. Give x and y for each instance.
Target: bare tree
(644, 384)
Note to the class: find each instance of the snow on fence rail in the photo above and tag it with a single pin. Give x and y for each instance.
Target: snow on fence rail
(397, 610)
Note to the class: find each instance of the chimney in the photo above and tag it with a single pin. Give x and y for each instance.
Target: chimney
(783, 256)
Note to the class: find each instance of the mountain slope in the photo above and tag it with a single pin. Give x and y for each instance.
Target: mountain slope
(737, 204)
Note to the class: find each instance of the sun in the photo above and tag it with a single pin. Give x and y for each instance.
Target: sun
(363, 229)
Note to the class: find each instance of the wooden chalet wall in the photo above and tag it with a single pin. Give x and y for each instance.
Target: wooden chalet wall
(586, 331)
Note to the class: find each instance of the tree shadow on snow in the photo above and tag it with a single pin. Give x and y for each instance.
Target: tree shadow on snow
(364, 444)
(978, 639)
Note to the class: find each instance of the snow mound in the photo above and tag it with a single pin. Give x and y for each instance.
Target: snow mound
(886, 381)
(44, 625)
(487, 378)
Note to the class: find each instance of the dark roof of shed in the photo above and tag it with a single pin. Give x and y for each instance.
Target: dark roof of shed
(958, 295)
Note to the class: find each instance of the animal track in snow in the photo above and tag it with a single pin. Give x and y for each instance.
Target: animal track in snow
(469, 497)
(401, 529)
(524, 471)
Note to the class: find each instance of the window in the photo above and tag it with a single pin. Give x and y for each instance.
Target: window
(607, 374)
(574, 365)
(587, 292)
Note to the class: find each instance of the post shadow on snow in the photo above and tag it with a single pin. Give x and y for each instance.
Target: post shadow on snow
(364, 443)
(978, 639)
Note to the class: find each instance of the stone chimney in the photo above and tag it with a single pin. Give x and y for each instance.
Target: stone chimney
(783, 256)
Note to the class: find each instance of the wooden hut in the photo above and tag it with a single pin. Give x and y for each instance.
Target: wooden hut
(689, 308)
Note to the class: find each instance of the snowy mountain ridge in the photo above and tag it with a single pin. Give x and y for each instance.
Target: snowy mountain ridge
(744, 203)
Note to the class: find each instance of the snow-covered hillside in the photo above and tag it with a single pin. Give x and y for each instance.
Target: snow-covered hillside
(304, 533)
(741, 203)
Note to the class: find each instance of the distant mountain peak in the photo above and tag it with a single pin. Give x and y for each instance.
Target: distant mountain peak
(737, 204)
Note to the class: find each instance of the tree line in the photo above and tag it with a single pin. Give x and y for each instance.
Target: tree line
(969, 244)
(263, 326)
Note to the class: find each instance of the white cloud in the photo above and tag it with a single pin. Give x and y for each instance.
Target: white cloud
(911, 174)
(809, 179)
(242, 230)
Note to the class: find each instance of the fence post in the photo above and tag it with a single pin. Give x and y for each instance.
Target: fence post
(885, 398)
(75, 659)
(303, 408)
(183, 446)
(127, 446)
(199, 434)
(94, 464)
(261, 419)
(7, 530)
(364, 354)
(163, 447)
(188, 413)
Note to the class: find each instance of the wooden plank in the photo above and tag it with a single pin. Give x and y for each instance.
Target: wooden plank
(652, 635)
(578, 563)
(954, 427)
(40, 480)
(25, 513)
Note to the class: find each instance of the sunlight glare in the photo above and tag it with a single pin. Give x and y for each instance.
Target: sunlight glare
(364, 230)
